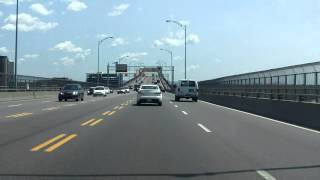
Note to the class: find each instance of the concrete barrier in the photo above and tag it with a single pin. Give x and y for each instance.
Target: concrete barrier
(26, 95)
(298, 113)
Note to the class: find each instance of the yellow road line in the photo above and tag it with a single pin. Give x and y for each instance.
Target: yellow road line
(87, 122)
(112, 113)
(96, 122)
(18, 115)
(46, 143)
(60, 143)
(106, 113)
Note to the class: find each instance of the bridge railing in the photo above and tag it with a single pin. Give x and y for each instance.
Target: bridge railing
(296, 83)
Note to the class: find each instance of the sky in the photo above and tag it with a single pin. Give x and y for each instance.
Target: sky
(58, 38)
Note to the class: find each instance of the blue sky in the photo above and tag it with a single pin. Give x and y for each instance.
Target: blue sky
(59, 37)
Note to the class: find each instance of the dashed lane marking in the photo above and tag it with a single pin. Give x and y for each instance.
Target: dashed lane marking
(87, 122)
(106, 113)
(266, 175)
(204, 128)
(185, 113)
(19, 115)
(111, 113)
(96, 122)
(15, 105)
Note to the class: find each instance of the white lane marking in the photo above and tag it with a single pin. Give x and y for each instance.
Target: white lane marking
(15, 105)
(69, 105)
(171, 102)
(266, 175)
(273, 120)
(46, 101)
(204, 128)
(185, 113)
(176, 106)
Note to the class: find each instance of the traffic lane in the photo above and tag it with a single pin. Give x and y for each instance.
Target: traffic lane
(44, 105)
(13, 129)
(272, 145)
(146, 142)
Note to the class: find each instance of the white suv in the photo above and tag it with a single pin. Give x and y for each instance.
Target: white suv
(186, 89)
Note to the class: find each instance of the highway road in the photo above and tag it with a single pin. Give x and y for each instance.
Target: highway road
(112, 138)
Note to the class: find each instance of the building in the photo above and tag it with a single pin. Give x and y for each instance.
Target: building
(6, 71)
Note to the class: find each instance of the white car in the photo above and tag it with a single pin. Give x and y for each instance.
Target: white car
(186, 89)
(149, 94)
(108, 90)
(100, 91)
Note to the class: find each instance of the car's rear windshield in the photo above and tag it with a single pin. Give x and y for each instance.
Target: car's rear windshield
(188, 83)
(99, 88)
(192, 84)
(71, 87)
(149, 87)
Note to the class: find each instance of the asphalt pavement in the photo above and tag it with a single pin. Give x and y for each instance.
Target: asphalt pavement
(113, 138)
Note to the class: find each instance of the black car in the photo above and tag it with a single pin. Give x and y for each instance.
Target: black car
(90, 91)
(71, 91)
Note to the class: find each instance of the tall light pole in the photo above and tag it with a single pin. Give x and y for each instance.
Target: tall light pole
(99, 43)
(121, 58)
(16, 47)
(185, 43)
(172, 71)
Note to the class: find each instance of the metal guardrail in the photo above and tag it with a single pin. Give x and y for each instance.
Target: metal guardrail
(295, 83)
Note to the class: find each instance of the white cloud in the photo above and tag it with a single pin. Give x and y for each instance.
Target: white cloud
(8, 2)
(101, 36)
(1, 13)
(27, 23)
(12, 2)
(177, 58)
(66, 61)
(134, 55)
(31, 56)
(41, 9)
(119, 42)
(177, 39)
(118, 10)
(193, 67)
(68, 46)
(157, 43)
(3, 50)
(76, 5)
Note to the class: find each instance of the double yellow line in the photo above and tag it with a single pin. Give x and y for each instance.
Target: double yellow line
(19, 115)
(92, 122)
(108, 113)
(51, 141)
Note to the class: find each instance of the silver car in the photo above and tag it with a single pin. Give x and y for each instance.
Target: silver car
(149, 94)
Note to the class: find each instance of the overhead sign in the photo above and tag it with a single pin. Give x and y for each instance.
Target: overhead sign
(121, 68)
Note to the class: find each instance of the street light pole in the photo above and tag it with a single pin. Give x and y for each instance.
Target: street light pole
(16, 47)
(99, 43)
(185, 44)
(171, 57)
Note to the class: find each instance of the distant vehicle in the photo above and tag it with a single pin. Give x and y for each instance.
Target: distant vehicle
(130, 87)
(127, 89)
(186, 89)
(90, 91)
(100, 91)
(136, 87)
(71, 91)
(111, 91)
(149, 94)
(121, 91)
(108, 90)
